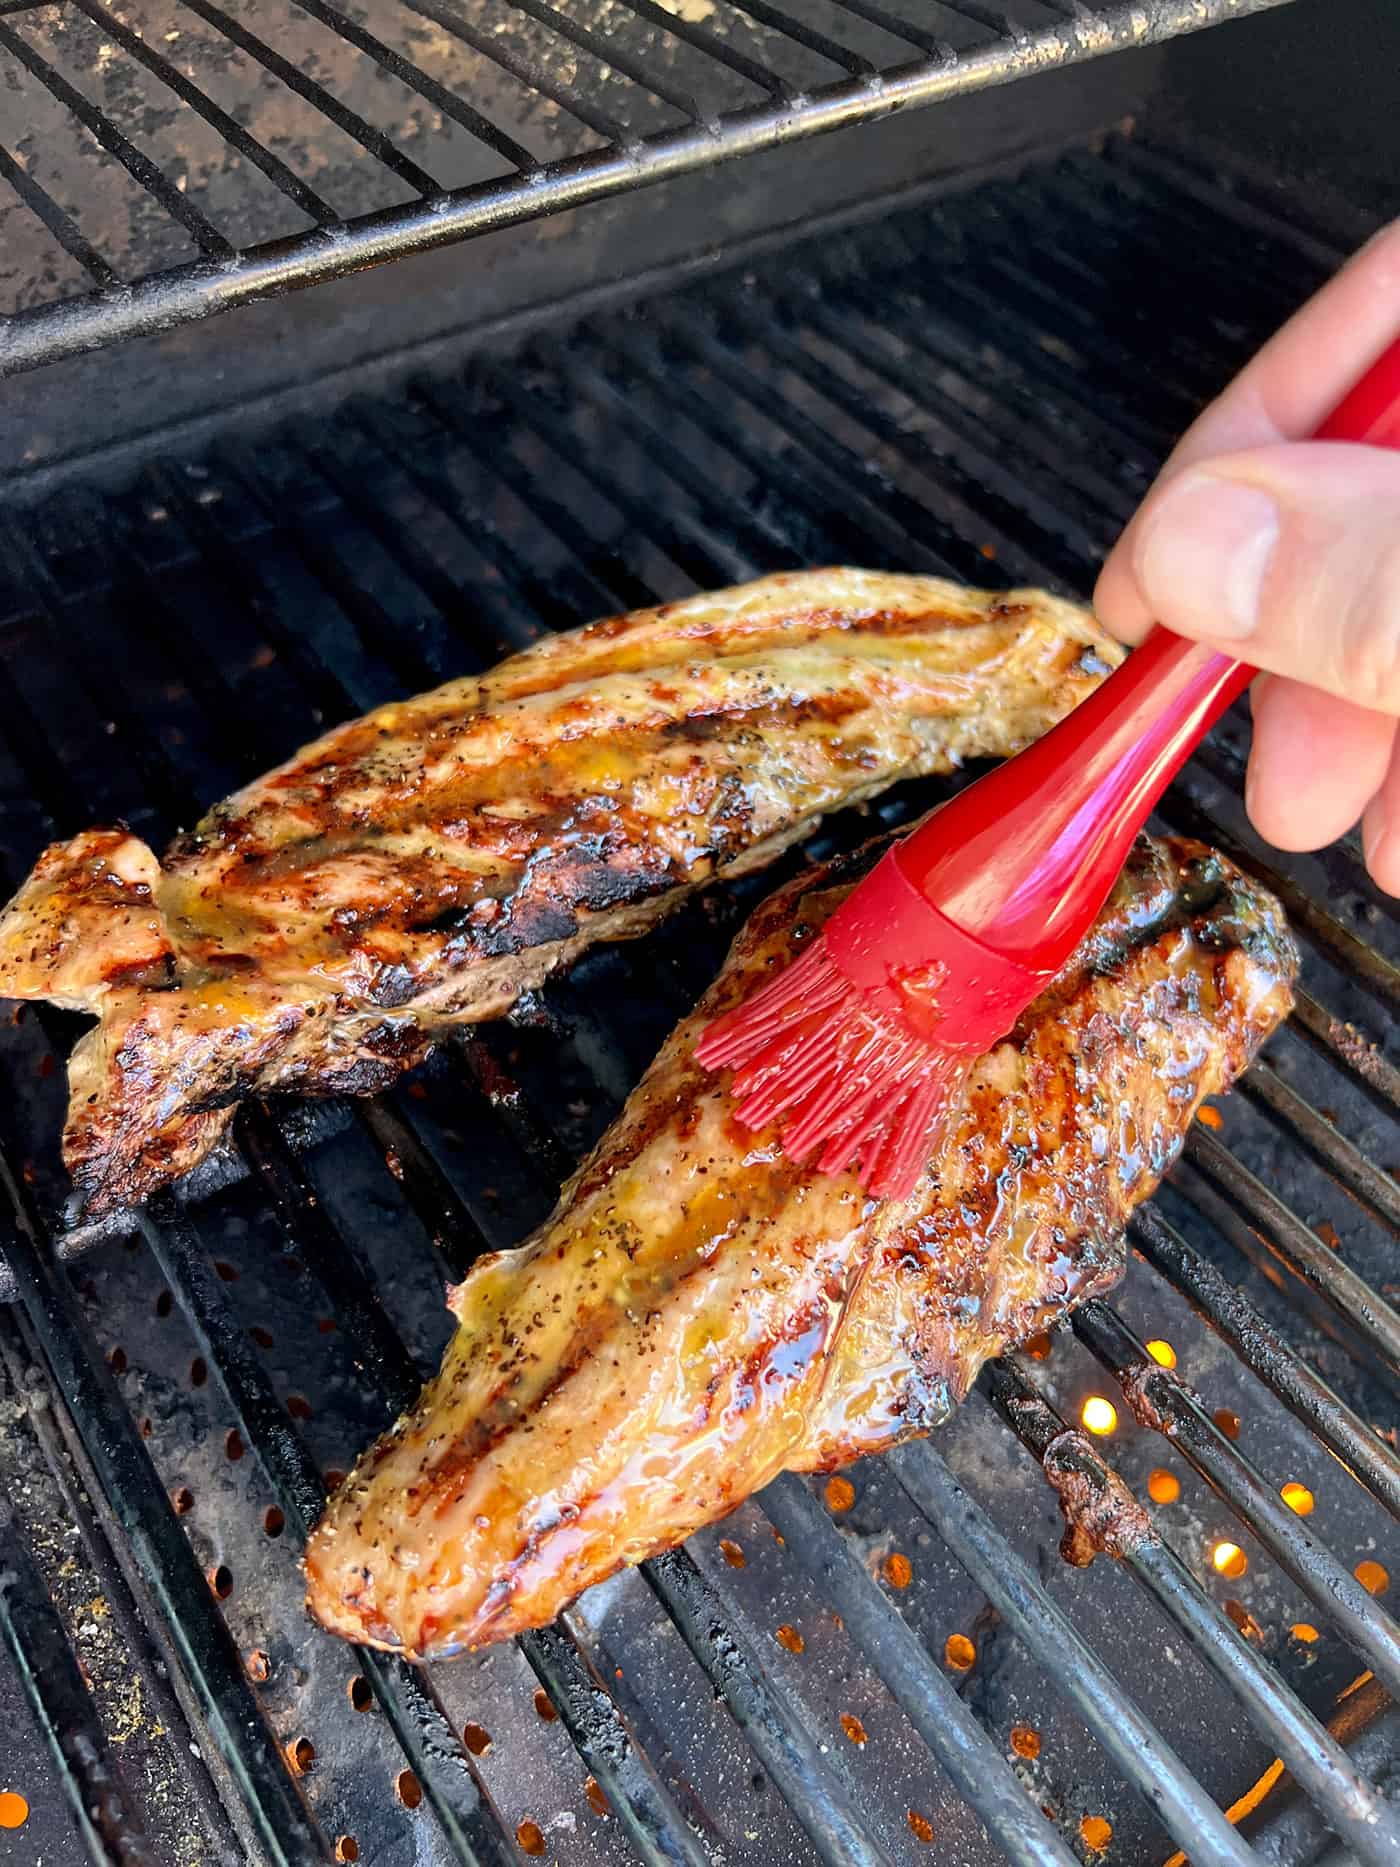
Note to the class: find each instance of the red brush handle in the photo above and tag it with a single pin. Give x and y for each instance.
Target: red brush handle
(1025, 858)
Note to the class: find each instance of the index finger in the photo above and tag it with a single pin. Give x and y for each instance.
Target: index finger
(1283, 394)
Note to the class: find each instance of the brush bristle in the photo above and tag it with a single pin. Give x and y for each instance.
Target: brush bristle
(849, 1086)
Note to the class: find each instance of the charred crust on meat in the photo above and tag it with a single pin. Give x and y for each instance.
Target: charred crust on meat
(1102, 1517)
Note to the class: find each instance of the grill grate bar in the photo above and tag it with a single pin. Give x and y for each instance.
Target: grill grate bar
(1367, 1457)
(610, 53)
(817, 1788)
(1181, 180)
(1170, 1406)
(648, 1812)
(533, 594)
(65, 230)
(1297, 1247)
(273, 1813)
(233, 132)
(529, 71)
(50, 1433)
(972, 436)
(686, 543)
(140, 167)
(1075, 1669)
(431, 1746)
(1356, 1810)
(920, 1688)
(900, 27)
(628, 161)
(1342, 1158)
(32, 1630)
(957, 525)
(1343, 1043)
(775, 17)
(798, 488)
(350, 121)
(426, 86)
(711, 45)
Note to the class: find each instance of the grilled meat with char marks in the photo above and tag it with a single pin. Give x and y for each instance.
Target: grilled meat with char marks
(700, 1314)
(425, 865)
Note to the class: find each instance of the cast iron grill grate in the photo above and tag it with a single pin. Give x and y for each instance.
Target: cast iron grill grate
(157, 165)
(960, 389)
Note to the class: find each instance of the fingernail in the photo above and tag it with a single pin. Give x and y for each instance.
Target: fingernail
(1202, 553)
(1375, 834)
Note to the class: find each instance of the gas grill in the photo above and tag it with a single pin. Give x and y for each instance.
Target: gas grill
(227, 534)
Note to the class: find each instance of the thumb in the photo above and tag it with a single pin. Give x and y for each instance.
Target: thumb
(1287, 556)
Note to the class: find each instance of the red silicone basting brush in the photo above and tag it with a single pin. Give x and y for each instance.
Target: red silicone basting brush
(862, 1043)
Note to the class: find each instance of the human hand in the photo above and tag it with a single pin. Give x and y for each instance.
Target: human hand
(1286, 554)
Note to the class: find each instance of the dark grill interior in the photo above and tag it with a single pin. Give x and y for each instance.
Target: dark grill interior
(980, 386)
